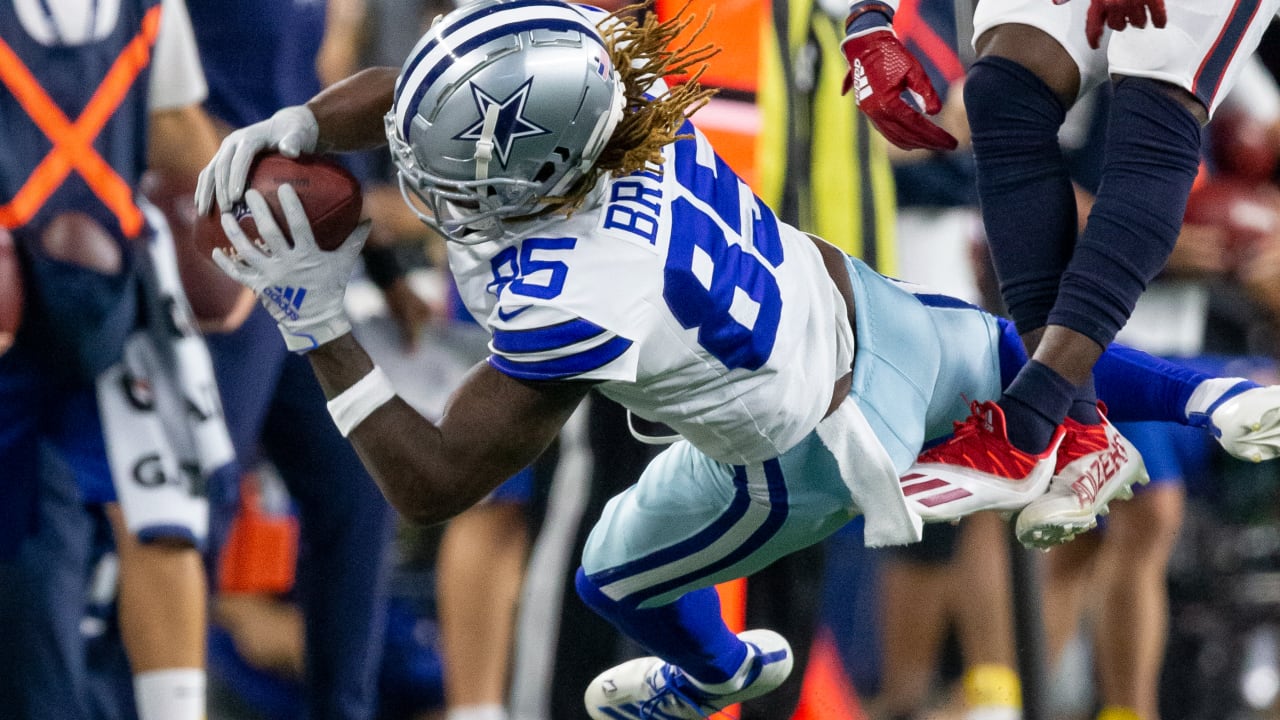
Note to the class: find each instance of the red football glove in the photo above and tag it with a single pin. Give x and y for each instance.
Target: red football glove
(880, 70)
(1119, 14)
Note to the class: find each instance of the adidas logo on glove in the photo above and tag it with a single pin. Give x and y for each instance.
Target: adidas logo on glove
(861, 86)
(287, 299)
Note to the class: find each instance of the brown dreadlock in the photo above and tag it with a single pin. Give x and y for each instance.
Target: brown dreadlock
(644, 51)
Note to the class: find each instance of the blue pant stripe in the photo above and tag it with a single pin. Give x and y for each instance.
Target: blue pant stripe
(778, 510)
(703, 539)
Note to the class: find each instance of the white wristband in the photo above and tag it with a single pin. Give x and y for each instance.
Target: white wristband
(353, 405)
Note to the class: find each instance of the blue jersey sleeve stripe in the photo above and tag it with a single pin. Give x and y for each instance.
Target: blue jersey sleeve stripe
(546, 338)
(563, 367)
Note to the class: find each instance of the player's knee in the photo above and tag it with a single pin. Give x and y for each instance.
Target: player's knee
(1039, 53)
(591, 593)
(1178, 94)
(76, 238)
(1006, 100)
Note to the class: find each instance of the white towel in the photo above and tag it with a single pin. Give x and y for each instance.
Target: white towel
(869, 474)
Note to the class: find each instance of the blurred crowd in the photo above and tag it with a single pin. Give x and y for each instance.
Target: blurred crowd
(324, 605)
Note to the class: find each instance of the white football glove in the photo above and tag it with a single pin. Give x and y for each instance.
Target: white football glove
(301, 286)
(292, 131)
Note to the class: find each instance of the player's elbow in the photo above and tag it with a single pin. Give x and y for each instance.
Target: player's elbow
(431, 503)
(420, 512)
(423, 508)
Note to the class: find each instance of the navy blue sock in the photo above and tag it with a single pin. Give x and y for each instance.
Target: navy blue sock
(688, 633)
(1028, 204)
(1034, 404)
(1151, 158)
(1013, 355)
(1084, 405)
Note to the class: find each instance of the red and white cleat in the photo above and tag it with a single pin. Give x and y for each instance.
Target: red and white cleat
(1096, 464)
(977, 469)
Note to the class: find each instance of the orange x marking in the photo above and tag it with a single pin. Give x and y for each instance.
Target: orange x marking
(73, 142)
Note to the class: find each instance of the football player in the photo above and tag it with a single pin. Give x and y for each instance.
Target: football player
(1067, 298)
(604, 245)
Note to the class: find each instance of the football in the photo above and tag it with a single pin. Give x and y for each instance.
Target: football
(329, 193)
(218, 302)
(11, 291)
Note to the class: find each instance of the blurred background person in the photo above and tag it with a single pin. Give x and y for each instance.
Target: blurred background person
(106, 386)
(260, 56)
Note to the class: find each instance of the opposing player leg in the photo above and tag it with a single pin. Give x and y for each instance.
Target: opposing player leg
(1031, 69)
(1152, 154)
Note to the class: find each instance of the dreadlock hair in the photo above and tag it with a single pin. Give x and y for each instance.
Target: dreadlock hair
(644, 51)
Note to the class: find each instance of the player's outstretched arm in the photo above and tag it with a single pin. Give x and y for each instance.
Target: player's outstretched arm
(349, 112)
(493, 426)
(881, 70)
(344, 116)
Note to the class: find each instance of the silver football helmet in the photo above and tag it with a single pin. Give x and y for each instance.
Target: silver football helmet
(501, 105)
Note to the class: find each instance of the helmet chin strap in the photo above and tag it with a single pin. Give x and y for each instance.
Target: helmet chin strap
(484, 146)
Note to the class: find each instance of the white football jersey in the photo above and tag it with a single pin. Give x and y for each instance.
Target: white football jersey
(682, 294)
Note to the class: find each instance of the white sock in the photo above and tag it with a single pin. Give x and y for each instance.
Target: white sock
(171, 694)
(477, 712)
(1207, 393)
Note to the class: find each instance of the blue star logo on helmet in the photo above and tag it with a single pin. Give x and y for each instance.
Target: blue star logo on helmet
(511, 125)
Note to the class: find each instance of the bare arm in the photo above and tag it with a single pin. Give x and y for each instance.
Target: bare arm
(493, 426)
(349, 112)
(180, 141)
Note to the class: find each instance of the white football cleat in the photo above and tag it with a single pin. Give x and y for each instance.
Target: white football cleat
(1096, 465)
(1247, 425)
(977, 469)
(650, 688)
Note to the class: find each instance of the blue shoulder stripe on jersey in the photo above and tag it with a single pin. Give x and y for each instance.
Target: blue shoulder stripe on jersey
(553, 24)
(563, 367)
(545, 338)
